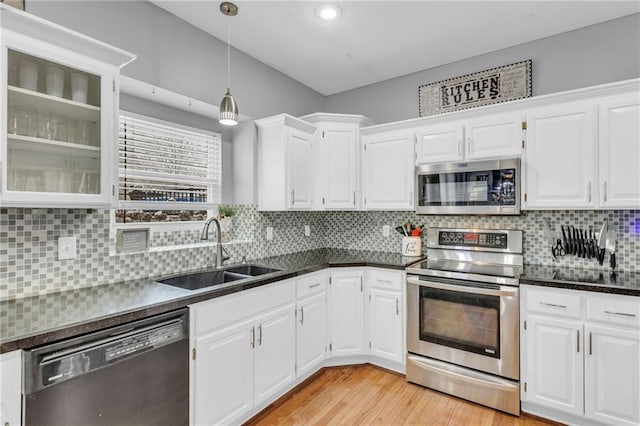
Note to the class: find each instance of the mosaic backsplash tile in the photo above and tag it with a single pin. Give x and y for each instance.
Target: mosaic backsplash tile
(28, 242)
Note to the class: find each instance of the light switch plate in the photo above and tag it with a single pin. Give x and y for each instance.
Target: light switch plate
(66, 248)
(307, 230)
(386, 229)
(269, 233)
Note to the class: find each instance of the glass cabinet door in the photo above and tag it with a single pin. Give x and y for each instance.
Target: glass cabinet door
(53, 127)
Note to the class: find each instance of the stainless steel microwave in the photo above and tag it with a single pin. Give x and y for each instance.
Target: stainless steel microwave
(479, 187)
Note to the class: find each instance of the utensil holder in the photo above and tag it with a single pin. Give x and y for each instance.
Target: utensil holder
(411, 246)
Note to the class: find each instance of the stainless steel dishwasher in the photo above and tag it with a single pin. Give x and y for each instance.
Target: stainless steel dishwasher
(133, 374)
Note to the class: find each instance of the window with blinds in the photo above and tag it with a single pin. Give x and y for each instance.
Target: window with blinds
(166, 173)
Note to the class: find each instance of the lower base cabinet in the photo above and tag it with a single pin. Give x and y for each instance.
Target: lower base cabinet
(581, 356)
(11, 388)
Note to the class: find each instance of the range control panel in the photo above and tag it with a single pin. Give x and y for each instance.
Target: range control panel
(498, 240)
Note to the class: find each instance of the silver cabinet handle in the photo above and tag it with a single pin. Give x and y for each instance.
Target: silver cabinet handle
(301, 315)
(590, 343)
(468, 145)
(314, 285)
(578, 341)
(293, 197)
(397, 307)
(604, 191)
(589, 189)
(252, 342)
(361, 285)
(622, 314)
(260, 335)
(384, 281)
(354, 198)
(553, 305)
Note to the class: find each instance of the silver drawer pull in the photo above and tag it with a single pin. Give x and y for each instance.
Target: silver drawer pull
(553, 305)
(622, 314)
(314, 285)
(385, 281)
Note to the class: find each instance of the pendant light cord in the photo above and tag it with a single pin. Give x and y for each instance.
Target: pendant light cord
(228, 56)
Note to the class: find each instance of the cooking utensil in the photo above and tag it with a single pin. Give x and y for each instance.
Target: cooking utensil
(564, 239)
(401, 230)
(583, 250)
(557, 249)
(602, 240)
(611, 248)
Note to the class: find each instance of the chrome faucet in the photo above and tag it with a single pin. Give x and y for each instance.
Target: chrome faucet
(221, 254)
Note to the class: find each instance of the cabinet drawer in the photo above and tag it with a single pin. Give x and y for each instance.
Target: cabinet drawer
(555, 302)
(385, 280)
(311, 284)
(623, 310)
(214, 313)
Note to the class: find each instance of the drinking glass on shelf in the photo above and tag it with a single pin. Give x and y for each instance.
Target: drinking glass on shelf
(34, 181)
(62, 129)
(51, 178)
(65, 181)
(82, 132)
(21, 122)
(47, 127)
(16, 180)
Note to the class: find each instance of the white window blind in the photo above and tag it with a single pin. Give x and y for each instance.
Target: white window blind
(166, 167)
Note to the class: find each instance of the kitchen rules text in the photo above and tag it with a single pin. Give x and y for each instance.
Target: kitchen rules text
(470, 91)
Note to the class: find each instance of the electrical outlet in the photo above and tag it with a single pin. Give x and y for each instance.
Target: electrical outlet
(269, 233)
(386, 229)
(307, 231)
(66, 248)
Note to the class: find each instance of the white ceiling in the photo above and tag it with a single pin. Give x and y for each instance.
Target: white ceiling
(377, 40)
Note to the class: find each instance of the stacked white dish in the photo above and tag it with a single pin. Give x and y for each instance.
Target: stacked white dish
(55, 81)
(28, 75)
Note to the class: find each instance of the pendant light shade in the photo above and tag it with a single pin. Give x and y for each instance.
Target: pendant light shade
(228, 113)
(228, 110)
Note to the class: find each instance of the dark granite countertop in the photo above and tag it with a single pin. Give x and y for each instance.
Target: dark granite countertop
(626, 283)
(34, 321)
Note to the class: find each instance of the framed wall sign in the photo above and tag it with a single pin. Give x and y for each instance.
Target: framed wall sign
(501, 84)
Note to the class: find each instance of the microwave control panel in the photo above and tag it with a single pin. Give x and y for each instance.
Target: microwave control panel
(473, 239)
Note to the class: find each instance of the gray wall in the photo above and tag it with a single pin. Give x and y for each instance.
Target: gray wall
(598, 54)
(179, 57)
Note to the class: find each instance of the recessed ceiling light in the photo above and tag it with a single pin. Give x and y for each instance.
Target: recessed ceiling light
(328, 12)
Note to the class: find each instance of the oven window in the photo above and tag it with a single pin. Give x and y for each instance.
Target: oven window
(460, 320)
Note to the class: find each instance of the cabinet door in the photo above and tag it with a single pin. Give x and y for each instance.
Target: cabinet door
(223, 375)
(497, 135)
(300, 169)
(560, 157)
(275, 352)
(341, 168)
(385, 324)
(57, 147)
(311, 332)
(388, 177)
(439, 143)
(620, 153)
(612, 375)
(347, 313)
(11, 388)
(554, 363)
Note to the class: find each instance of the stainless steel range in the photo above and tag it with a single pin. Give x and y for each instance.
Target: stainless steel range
(462, 316)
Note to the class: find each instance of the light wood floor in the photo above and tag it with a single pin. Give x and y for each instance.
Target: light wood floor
(367, 395)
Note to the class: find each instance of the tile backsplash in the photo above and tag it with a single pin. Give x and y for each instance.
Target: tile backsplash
(28, 242)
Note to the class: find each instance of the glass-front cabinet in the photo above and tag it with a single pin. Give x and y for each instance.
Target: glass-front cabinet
(60, 107)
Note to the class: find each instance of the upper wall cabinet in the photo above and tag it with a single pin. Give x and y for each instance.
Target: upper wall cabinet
(388, 170)
(560, 167)
(619, 152)
(337, 172)
(491, 136)
(285, 163)
(59, 89)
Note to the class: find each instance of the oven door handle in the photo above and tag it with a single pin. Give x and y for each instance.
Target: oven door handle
(503, 291)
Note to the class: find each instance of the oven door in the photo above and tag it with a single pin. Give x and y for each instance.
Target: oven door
(470, 324)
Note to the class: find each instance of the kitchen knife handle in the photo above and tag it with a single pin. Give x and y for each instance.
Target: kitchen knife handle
(604, 191)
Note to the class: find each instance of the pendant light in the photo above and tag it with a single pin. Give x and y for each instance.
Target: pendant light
(228, 114)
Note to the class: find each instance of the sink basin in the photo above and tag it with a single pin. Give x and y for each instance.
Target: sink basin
(203, 279)
(252, 270)
(217, 277)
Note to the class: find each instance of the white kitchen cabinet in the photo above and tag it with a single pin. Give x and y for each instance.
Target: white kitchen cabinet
(285, 163)
(223, 372)
(312, 325)
(347, 312)
(493, 136)
(581, 356)
(11, 388)
(57, 149)
(440, 143)
(560, 166)
(554, 363)
(612, 374)
(388, 170)
(619, 152)
(385, 325)
(275, 352)
(337, 160)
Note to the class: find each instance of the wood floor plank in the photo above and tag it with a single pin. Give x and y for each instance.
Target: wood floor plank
(368, 395)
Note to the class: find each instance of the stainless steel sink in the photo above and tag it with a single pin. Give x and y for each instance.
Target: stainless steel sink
(211, 278)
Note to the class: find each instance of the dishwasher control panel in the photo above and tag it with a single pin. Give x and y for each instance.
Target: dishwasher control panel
(143, 342)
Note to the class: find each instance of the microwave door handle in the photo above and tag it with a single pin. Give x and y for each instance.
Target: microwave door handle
(466, 289)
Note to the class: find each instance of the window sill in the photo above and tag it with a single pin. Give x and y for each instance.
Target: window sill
(181, 247)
